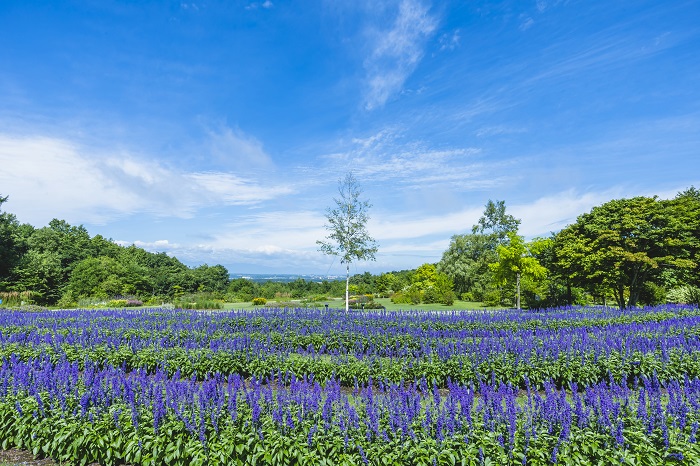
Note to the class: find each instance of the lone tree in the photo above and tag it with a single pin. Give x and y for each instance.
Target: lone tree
(348, 237)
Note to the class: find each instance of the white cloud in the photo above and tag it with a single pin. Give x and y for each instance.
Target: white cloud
(52, 178)
(450, 41)
(267, 4)
(396, 52)
(285, 241)
(526, 22)
(237, 150)
(552, 213)
(498, 130)
(385, 158)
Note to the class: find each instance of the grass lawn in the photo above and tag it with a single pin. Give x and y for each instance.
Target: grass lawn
(386, 302)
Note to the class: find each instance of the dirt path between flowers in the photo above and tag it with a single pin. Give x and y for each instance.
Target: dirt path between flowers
(14, 457)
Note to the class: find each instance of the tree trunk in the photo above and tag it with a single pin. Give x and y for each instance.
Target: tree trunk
(517, 286)
(569, 297)
(620, 296)
(347, 288)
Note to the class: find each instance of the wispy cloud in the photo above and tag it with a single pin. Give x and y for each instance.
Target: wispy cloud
(234, 149)
(270, 239)
(267, 4)
(611, 48)
(387, 157)
(450, 41)
(396, 52)
(48, 177)
(498, 130)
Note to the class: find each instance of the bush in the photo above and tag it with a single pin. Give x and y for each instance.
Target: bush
(684, 294)
(431, 295)
(369, 305)
(67, 301)
(468, 296)
(492, 298)
(200, 305)
(259, 301)
(18, 298)
(400, 298)
(447, 298)
(415, 294)
(652, 294)
(117, 303)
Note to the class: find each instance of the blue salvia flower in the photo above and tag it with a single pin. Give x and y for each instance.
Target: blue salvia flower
(555, 453)
(693, 432)
(362, 454)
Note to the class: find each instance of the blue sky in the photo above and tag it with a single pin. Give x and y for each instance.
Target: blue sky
(217, 131)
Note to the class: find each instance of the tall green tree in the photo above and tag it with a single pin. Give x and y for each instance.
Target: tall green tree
(621, 245)
(466, 261)
(496, 223)
(101, 277)
(347, 226)
(683, 212)
(467, 258)
(42, 273)
(516, 263)
(13, 244)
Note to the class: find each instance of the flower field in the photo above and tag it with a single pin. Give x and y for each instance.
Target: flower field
(590, 385)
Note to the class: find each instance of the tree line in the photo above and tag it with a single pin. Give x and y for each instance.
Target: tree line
(641, 250)
(627, 252)
(61, 263)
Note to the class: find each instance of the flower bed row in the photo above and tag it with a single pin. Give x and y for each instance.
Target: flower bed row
(111, 417)
(461, 347)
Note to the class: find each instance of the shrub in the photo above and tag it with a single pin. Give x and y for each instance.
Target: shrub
(431, 295)
(200, 305)
(17, 298)
(400, 298)
(117, 303)
(492, 298)
(415, 294)
(468, 296)
(447, 298)
(684, 294)
(369, 305)
(259, 301)
(67, 301)
(652, 294)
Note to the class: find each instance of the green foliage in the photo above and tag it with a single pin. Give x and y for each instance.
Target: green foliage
(17, 298)
(401, 298)
(622, 245)
(242, 289)
(467, 258)
(348, 237)
(117, 303)
(386, 284)
(466, 262)
(200, 300)
(495, 222)
(652, 294)
(13, 244)
(684, 294)
(516, 264)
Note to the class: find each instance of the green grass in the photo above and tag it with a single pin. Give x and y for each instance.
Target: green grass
(386, 302)
(457, 306)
